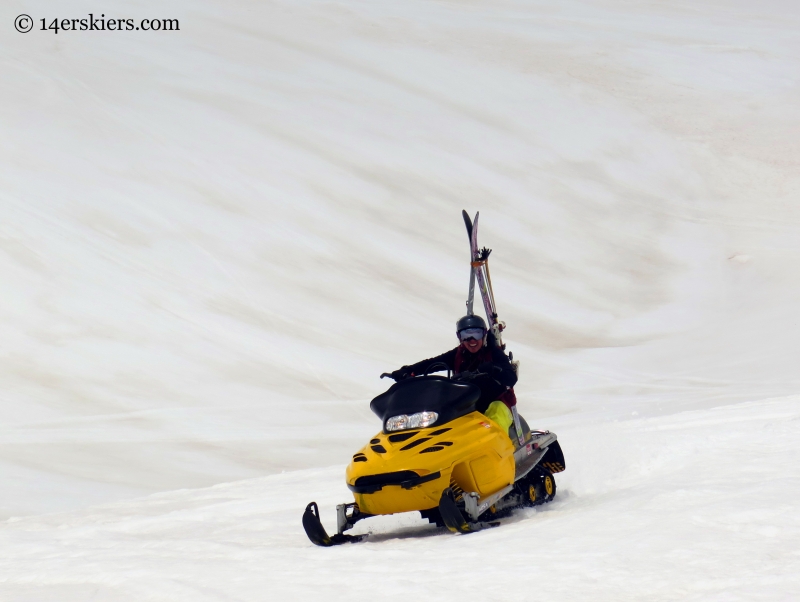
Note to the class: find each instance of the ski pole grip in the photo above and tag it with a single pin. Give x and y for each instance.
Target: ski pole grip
(386, 375)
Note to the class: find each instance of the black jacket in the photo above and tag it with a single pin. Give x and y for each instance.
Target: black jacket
(500, 380)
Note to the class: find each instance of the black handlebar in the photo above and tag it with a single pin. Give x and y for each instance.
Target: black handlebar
(436, 367)
(466, 375)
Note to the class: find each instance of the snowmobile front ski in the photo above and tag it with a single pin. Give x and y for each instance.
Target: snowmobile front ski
(316, 532)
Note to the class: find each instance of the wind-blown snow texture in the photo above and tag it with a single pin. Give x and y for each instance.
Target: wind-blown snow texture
(213, 241)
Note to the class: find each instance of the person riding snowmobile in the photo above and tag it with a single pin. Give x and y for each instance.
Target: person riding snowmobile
(477, 352)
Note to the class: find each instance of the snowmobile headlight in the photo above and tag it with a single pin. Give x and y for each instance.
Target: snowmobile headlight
(414, 421)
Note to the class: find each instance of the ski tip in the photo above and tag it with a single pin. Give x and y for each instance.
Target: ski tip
(313, 527)
(467, 223)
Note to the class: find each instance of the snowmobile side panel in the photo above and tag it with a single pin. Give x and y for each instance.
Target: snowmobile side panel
(487, 478)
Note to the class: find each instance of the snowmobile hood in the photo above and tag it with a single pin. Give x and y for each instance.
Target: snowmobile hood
(448, 398)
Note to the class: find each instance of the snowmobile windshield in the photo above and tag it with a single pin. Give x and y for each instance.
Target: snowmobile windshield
(448, 398)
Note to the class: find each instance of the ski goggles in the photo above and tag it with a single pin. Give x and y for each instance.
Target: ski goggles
(472, 333)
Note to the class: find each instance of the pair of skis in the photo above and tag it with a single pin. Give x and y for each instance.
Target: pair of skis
(479, 270)
(479, 264)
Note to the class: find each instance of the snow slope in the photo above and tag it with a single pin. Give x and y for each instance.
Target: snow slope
(694, 506)
(212, 242)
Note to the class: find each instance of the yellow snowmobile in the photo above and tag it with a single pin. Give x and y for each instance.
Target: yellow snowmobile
(441, 457)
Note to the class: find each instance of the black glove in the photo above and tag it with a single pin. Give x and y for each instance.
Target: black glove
(402, 374)
(490, 369)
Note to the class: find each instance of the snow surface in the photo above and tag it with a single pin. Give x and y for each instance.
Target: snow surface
(213, 241)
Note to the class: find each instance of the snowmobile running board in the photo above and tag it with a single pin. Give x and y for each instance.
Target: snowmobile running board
(474, 508)
(528, 456)
(527, 464)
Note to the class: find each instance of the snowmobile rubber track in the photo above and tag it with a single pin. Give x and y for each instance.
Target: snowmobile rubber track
(453, 518)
